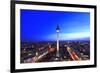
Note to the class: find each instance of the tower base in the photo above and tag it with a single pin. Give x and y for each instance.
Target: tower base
(58, 59)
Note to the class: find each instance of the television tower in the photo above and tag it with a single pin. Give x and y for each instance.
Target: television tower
(57, 31)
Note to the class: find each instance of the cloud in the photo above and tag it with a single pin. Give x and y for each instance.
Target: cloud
(70, 36)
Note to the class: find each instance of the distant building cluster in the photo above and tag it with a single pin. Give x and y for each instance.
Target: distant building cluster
(46, 51)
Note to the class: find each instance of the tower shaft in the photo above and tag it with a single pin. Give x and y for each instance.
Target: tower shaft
(57, 44)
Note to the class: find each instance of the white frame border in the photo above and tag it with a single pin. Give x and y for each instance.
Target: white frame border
(51, 64)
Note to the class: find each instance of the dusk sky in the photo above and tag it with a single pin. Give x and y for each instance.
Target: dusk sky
(40, 25)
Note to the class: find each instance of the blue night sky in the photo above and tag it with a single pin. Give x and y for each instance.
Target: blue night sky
(40, 25)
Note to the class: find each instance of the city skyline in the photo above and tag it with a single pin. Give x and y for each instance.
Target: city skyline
(40, 25)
